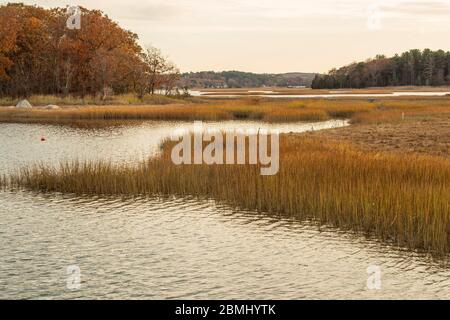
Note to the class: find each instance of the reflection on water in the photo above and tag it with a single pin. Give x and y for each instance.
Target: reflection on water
(184, 248)
(21, 144)
(332, 94)
(178, 247)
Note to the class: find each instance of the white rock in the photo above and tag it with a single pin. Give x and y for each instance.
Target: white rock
(24, 104)
(52, 106)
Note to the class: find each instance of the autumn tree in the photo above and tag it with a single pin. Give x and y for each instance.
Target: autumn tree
(40, 55)
(158, 68)
(8, 34)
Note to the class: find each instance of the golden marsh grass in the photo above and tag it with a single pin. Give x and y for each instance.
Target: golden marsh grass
(397, 198)
(262, 109)
(123, 99)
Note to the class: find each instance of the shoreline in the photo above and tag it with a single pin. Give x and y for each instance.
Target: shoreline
(358, 109)
(387, 175)
(396, 198)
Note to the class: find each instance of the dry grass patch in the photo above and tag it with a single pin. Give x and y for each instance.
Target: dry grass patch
(124, 99)
(252, 108)
(397, 198)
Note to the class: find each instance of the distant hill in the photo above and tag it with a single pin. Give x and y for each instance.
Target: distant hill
(238, 79)
(411, 68)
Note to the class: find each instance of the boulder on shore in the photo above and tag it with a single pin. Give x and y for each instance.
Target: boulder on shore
(24, 104)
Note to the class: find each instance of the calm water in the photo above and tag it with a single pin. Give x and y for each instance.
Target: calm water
(178, 247)
(335, 94)
(20, 144)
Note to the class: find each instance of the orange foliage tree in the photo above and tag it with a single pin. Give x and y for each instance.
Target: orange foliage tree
(40, 55)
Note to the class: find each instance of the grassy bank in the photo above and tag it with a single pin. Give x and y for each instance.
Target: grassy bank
(124, 99)
(403, 199)
(359, 110)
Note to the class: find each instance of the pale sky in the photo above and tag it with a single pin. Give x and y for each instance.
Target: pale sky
(277, 35)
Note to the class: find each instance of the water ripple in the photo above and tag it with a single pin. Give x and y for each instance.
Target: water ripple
(179, 248)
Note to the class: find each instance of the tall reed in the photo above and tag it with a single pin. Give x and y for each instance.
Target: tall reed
(122, 99)
(254, 108)
(403, 199)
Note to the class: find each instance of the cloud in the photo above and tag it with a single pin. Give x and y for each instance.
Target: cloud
(418, 8)
(146, 12)
(149, 10)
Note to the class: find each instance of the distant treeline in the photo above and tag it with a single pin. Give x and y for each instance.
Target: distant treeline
(237, 79)
(411, 68)
(39, 54)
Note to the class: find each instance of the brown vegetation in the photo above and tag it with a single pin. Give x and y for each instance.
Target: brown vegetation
(119, 100)
(401, 196)
(427, 135)
(40, 55)
(400, 199)
(361, 111)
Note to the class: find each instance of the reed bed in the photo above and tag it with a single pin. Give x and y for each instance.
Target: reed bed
(397, 114)
(208, 112)
(123, 99)
(400, 199)
(250, 108)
